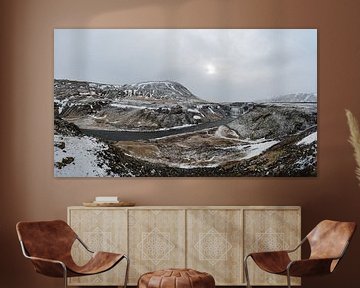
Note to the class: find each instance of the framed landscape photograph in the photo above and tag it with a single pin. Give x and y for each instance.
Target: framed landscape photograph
(185, 102)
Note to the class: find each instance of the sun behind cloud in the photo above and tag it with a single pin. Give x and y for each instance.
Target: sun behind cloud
(210, 68)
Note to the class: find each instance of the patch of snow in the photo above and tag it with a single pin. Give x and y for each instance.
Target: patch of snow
(86, 162)
(142, 84)
(193, 110)
(256, 149)
(188, 166)
(84, 93)
(225, 132)
(98, 117)
(61, 103)
(172, 128)
(126, 106)
(260, 140)
(308, 139)
(211, 110)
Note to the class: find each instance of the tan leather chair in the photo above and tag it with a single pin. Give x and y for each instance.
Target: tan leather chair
(48, 245)
(328, 242)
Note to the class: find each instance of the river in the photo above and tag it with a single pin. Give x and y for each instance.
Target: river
(146, 135)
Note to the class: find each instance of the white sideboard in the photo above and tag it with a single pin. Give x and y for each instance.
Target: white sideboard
(212, 239)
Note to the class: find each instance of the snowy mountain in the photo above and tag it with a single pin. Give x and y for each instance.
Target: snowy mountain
(143, 106)
(154, 90)
(159, 90)
(295, 97)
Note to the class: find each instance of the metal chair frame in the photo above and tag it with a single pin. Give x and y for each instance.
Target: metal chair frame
(26, 255)
(288, 276)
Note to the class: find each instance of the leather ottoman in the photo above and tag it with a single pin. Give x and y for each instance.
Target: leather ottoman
(176, 278)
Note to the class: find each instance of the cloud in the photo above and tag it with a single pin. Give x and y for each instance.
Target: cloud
(250, 64)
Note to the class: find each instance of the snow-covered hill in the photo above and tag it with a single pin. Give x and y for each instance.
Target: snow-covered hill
(154, 90)
(159, 90)
(296, 97)
(143, 106)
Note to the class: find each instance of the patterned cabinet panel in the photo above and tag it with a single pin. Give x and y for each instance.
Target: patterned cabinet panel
(156, 240)
(214, 244)
(271, 229)
(210, 239)
(101, 230)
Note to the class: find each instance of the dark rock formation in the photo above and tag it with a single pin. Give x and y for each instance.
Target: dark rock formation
(273, 122)
(62, 127)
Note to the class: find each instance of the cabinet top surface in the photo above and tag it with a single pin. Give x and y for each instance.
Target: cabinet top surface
(192, 207)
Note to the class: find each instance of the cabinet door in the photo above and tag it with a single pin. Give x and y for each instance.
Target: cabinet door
(101, 230)
(270, 230)
(214, 244)
(156, 240)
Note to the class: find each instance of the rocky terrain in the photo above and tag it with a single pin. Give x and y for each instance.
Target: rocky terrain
(162, 129)
(142, 106)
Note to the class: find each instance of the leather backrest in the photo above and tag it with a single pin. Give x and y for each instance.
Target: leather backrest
(46, 239)
(329, 238)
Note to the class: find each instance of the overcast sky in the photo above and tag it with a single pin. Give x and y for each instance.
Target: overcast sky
(215, 64)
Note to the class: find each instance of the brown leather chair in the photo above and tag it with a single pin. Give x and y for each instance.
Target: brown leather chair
(48, 245)
(328, 242)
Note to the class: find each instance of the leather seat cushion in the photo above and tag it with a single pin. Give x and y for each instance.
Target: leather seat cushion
(176, 278)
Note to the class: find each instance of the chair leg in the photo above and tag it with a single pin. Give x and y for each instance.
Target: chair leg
(65, 276)
(126, 271)
(246, 270)
(288, 278)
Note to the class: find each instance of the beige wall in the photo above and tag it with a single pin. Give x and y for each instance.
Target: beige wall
(30, 192)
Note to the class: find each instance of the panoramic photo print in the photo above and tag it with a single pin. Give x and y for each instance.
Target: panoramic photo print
(185, 102)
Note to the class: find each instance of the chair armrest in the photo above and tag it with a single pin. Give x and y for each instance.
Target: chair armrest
(309, 267)
(48, 267)
(280, 251)
(270, 252)
(298, 246)
(45, 260)
(83, 244)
